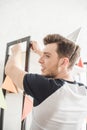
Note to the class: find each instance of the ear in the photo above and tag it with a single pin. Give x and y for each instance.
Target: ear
(65, 61)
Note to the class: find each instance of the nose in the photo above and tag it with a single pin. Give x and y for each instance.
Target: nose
(41, 60)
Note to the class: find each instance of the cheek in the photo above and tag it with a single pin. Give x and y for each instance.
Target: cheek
(49, 63)
(53, 65)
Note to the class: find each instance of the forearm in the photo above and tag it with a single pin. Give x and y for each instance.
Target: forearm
(14, 72)
(39, 52)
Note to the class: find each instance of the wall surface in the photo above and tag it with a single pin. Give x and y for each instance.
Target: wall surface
(37, 18)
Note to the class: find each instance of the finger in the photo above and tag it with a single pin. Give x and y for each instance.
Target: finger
(33, 45)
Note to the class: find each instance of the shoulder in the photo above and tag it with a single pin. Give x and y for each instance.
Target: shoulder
(33, 76)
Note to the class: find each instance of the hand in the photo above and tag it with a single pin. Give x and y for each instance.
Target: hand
(34, 46)
(16, 49)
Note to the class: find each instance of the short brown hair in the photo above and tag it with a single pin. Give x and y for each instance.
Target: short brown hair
(65, 47)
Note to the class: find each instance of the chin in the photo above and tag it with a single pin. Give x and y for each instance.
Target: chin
(43, 74)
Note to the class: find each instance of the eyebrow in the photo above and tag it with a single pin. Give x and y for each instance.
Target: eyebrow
(47, 53)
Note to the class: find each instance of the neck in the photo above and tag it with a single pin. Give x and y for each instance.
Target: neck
(65, 75)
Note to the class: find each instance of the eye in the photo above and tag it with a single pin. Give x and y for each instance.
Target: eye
(47, 56)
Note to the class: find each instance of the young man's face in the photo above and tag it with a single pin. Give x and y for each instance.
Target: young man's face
(49, 60)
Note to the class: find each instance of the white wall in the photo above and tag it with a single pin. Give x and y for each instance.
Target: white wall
(37, 18)
(20, 18)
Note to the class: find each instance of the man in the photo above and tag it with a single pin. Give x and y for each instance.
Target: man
(59, 101)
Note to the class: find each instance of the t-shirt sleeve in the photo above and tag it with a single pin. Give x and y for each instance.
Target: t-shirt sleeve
(37, 86)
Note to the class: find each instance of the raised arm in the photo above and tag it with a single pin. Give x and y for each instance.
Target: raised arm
(12, 68)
